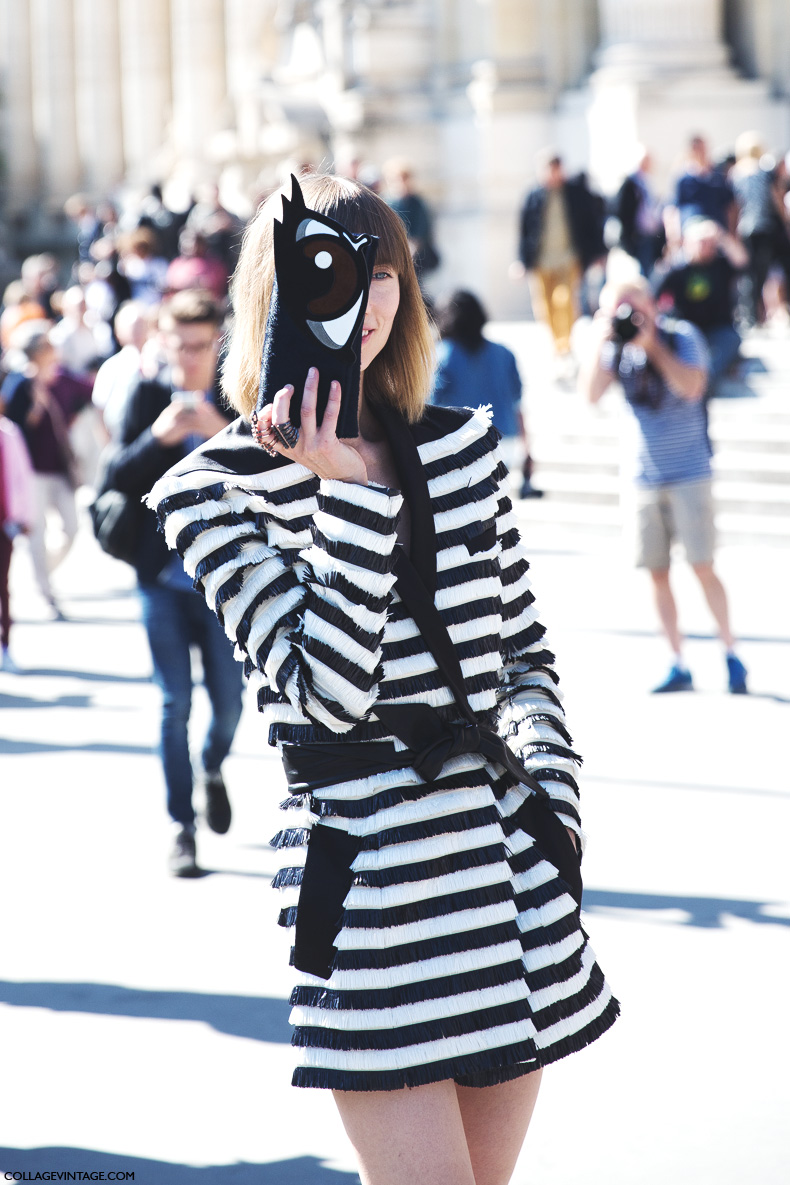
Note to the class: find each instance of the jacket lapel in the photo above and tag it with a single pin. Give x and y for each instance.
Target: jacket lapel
(414, 486)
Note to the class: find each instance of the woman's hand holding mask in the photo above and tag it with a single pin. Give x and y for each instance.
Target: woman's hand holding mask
(318, 449)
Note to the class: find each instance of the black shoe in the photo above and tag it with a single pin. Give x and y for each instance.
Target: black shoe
(183, 857)
(217, 805)
(528, 490)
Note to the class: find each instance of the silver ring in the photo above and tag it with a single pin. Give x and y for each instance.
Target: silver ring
(287, 433)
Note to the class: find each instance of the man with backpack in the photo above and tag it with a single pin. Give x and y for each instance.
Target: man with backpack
(165, 419)
(663, 368)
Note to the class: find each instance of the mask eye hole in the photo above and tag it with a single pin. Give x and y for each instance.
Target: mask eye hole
(334, 259)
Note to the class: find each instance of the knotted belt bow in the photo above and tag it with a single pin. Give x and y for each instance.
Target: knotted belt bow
(431, 742)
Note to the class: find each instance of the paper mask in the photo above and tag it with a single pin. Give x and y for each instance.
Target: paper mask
(318, 302)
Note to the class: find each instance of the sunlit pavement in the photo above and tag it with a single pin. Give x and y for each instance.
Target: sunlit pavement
(143, 1019)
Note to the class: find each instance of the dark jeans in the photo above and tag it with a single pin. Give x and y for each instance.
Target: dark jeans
(762, 252)
(724, 341)
(174, 621)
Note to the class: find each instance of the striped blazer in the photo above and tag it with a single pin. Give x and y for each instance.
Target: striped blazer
(300, 572)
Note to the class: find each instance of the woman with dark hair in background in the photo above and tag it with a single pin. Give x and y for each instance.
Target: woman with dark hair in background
(377, 590)
(473, 370)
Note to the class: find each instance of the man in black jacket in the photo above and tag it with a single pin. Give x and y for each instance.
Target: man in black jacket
(165, 419)
(560, 235)
(639, 213)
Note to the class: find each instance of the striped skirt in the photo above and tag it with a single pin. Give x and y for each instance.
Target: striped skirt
(436, 938)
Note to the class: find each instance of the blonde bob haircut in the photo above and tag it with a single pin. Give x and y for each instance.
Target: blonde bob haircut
(400, 376)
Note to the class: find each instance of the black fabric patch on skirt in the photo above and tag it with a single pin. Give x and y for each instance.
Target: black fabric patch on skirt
(549, 833)
(325, 884)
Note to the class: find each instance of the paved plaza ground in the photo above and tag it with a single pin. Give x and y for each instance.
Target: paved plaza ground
(143, 1020)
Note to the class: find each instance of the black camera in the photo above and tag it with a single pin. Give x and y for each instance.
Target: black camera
(626, 323)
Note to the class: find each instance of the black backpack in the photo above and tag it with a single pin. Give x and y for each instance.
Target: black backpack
(116, 517)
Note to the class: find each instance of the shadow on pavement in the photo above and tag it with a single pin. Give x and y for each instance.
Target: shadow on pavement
(302, 1170)
(258, 1018)
(19, 747)
(92, 676)
(62, 701)
(709, 913)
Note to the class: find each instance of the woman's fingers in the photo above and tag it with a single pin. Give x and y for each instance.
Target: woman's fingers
(329, 422)
(309, 401)
(281, 405)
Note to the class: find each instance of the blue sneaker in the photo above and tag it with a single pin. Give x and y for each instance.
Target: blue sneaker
(678, 679)
(737, 675)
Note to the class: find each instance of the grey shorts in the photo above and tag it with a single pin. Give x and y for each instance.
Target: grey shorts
(681, 512)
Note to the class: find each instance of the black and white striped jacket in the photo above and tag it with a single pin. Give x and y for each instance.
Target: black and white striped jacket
(300, 573)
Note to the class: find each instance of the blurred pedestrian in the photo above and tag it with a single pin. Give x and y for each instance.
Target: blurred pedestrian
(39, 278)
(18, 307)
(165, 419)
(116, 376)
(44, 400)
(701, 288)
(701, 191)
(663, 370)
(142, 265)
(17, 515)
(196, 267)
(82, 341)
(166, 224)
(640, 214)
(471, 370)
(761, 223)
(221, 229)
(555, 244)
(592, 209)
(80, 211)
(412, 209)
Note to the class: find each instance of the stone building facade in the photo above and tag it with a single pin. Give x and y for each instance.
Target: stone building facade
(95, 93)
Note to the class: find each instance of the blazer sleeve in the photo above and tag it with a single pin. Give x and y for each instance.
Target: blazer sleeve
(309, 619)
(531, 717)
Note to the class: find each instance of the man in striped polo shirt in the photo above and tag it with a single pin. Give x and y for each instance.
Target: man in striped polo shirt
(663, 368)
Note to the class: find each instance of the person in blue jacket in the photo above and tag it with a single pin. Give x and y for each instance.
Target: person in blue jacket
(473, 370)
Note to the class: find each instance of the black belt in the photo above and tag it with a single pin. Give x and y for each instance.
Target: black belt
(429, 740)
(430, 743)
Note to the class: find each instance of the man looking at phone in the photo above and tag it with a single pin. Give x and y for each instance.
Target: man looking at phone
(663, 369)
(165, 419)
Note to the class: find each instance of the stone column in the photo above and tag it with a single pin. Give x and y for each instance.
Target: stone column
(251, 44)
(18, 143)
(510, 73)
(98, 66)
(199, 87)
(145, 86)
(54, 97)
(663, 74)
(643, 38)
(512, 101)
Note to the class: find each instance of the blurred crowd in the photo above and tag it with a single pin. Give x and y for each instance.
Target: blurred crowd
(110, 367)
(77, 335)
(715, 250)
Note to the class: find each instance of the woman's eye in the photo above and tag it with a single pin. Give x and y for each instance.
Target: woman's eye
(381, 274)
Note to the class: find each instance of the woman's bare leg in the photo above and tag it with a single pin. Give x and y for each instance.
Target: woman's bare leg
(495, 1120)
(407, 1137)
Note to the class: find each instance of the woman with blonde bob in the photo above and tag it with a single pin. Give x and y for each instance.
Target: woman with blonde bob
(377, 592)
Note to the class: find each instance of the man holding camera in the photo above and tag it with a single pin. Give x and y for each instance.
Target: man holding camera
(663, 368)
